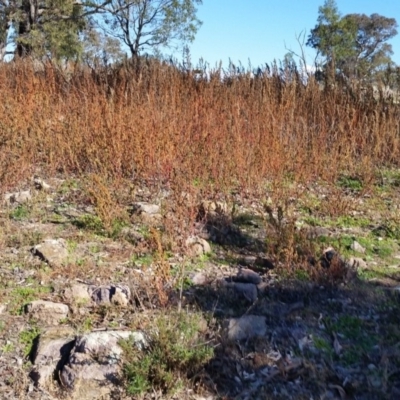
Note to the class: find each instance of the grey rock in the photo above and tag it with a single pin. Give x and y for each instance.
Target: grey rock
(40, 184)
(18, 197)
(52, 251)
(114, 294)
(247, 290)
(121, 296)
(47, 312)
(147, 208)
(88, 366)
(94, 364)
(53, 345)
(198, 279)
(357, 247)
(248, 276)
(357, 263)
(248, 260)
(78, 293)
(197, 246)
(247, 327)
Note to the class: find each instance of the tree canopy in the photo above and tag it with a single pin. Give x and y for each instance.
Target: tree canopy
(61, 29)
(355, 44)
(145, 24)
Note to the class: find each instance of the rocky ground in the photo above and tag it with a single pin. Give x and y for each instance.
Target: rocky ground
(298, 300)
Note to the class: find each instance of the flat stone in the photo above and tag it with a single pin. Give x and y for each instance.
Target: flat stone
(247, 327)
(47, 312)
(52, 251)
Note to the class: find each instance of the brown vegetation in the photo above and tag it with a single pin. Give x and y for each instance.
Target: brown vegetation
(165, 124)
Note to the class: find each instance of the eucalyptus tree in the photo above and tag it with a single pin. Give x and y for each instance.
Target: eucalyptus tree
(44, 27)
(148, 25)
(355, 44)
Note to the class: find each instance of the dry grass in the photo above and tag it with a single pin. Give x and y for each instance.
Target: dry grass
(196, 133)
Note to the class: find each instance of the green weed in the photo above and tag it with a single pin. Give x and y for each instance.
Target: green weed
(90, 222)
(20, 212)
(350, 182)
(176, 353)
(301, 275)
(27, 338)
(21, 296)
(7, 348)
(357, 337)
(323, 345)
(142, 260)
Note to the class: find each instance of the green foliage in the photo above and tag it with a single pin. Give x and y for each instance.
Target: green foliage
(95, 224)
(175, 353)
(354, 44)
(302, 275)
(27, 338)
(49, 28)
(323, 345)
(347, 221)
(144, 260)
(20, 212)
(350, 329)
(356, 330)
(349, 182)
(90, 222)
(150, 24)
(332, 35)
(21, 296)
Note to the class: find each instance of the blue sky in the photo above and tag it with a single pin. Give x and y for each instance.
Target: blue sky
(259, 29)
